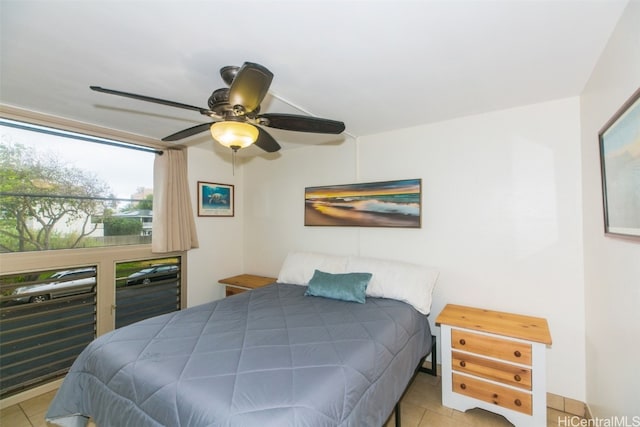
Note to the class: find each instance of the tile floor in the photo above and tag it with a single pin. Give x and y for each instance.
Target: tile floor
(421, 407)
(29, 413)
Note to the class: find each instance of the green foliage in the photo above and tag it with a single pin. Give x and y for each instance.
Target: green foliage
(114, 226)
(146, 204)
(39, 192)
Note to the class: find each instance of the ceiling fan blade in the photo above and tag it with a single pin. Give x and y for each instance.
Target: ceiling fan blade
(188, 132)
(250, 86)
(300, 123)
(266, 141)
(151, 99)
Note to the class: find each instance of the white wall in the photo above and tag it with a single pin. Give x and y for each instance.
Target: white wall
(220, 252)
(505, 195)
(501, 215)
(612, 265)
(501, 218)
(274, 191)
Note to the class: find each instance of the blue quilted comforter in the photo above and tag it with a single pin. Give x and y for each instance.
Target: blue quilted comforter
(268, 357)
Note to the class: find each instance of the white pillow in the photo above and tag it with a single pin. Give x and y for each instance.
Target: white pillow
(298, 267)
(410, 283)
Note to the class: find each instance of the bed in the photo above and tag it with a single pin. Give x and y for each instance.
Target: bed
(274, 356)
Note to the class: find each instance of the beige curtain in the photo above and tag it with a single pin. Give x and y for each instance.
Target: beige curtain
(174, 228)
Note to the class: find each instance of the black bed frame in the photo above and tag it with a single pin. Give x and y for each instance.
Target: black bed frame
(431, 371)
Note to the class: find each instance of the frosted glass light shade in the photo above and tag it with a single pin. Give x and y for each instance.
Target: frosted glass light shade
(234, 134)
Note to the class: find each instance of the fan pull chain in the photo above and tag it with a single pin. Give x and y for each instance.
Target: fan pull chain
(233, 160)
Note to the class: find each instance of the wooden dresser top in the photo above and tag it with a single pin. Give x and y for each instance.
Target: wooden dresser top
(250, 281)
(526, 328)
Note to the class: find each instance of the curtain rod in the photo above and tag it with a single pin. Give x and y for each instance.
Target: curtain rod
(79, 136)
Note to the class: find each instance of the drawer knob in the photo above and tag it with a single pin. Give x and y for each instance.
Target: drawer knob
(517, 353)
(518, 402)
(463, 363)
(463, 386)
(462, 341)
(517, 377)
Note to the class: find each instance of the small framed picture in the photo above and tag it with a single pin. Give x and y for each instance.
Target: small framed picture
(215, 199)
(620, 163)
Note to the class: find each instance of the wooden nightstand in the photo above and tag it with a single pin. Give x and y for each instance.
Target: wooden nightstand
(245, 282)
(494, 361)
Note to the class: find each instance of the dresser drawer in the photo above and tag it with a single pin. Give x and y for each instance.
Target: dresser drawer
(491, 369)
(231, 290)
(512, 351)
(492, 393)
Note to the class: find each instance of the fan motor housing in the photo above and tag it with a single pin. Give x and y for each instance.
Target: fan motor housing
(219, 100)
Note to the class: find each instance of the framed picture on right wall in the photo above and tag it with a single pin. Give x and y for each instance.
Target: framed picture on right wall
(620, 166)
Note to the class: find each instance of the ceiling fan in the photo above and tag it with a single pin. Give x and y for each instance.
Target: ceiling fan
(236, 111)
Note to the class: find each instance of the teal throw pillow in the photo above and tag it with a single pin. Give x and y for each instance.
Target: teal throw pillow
(345, 287)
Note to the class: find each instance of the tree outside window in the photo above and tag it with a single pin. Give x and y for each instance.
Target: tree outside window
(47, 202)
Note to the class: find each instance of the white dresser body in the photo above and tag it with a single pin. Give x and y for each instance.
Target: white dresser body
(495, 361)
(521, 405)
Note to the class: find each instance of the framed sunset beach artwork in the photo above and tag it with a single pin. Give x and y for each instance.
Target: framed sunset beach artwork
(372, 204)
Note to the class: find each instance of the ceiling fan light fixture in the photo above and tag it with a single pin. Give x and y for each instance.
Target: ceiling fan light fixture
(235, 111)
(234, 134)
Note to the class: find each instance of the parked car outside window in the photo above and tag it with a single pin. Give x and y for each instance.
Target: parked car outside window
(153, 274)
(62, 284)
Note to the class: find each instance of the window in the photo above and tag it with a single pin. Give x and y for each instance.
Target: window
(146, 289)
(62, 190)
(91, 200)
(48, 317)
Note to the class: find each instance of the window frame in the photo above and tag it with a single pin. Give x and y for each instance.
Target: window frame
(104, 258)
(20, 115)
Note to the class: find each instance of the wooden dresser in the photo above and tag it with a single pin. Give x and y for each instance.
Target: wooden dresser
(244, 282)
(494, 361)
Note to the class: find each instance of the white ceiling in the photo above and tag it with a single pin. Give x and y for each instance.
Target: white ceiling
(376, 65)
